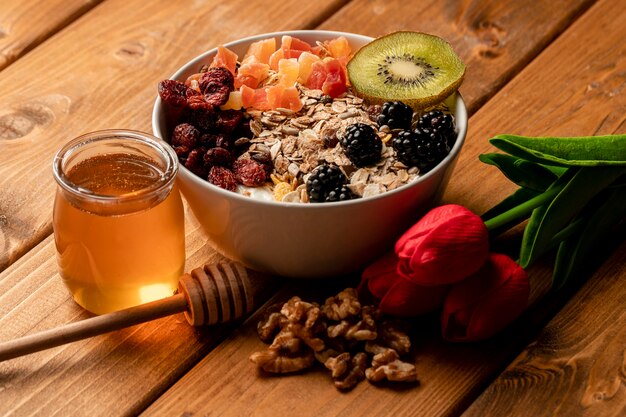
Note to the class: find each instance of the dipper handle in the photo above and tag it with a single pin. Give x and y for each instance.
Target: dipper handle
(214, 293)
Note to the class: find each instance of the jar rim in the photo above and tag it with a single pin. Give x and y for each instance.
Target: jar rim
(75, 145)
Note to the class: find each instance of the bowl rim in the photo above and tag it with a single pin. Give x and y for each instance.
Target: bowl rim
(461, 110)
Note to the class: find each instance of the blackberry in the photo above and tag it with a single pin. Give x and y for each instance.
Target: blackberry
(323, 180)
(423, 148)
(342, 193)
(440, 122)
(396, 115)
(361, 144)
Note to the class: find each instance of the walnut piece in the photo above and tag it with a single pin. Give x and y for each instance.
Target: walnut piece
(387, 365)
(393, 336)
(343, 305)
(269, 327)
(286, 341)
(355, 373)
(338, 365)
(340, 335)
(393, 371)
(307, 336)
(295, 309)
(275, 362)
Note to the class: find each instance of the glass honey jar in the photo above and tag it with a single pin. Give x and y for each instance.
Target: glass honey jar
(118, 219)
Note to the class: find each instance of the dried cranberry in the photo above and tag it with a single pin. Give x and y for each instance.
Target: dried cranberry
(173, 93)
(184, 138)
(202, 118)
(222, 177)
(243, 130)
(218, 157)
(208, 139)
(249, 172)
(216, 84)
(228, 120)
(223, 141)
(197, 101)
(195, 162)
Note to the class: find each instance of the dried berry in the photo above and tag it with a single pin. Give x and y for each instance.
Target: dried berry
(216, 84)
(173, 92)
(228, 120)
(184, 138)
(195, 162)
(243, 130)
(208, 139)
(197, 101)
(223, 178)
(201, 118)
(249, 172)
(223, 141)
(218, 157)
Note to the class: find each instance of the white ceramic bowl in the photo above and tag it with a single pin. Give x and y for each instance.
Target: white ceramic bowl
(307, 240)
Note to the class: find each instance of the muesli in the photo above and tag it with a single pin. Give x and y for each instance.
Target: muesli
(284, 124)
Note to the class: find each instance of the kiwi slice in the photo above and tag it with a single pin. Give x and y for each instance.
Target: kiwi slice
(416, 68)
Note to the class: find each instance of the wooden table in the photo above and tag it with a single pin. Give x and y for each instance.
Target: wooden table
(535, 67)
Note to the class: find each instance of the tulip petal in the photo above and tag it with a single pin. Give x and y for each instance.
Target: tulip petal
(447, 245)
(406, 299)
(381, 275)
(485, 303)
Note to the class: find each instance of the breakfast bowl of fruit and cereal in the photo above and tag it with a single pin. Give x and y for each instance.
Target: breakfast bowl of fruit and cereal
(306, 153)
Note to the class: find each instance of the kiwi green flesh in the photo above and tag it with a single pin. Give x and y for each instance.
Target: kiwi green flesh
(422, 69)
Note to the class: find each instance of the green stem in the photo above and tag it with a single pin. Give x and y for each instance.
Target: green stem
(523, 209)
(566, 232)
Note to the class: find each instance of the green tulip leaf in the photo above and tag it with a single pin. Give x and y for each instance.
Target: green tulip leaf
(587, 151)
(523, 173)
(579, 186)
(576, 250)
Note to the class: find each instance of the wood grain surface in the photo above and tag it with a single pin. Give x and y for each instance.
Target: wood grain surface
(103, 91)
(549, 97)
(575, 367)
(495, 38)
(101, 72)
(24, 24)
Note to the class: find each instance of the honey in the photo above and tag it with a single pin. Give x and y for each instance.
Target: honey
(118, 225)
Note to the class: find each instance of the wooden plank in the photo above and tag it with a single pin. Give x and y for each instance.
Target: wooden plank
(24, 24)
(111, 62)
(551, 96)
(575, 367)
(116, 374)
(496, 39)
(102, 73)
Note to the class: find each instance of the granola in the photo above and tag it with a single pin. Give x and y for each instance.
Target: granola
(282, 123)
(296, 143)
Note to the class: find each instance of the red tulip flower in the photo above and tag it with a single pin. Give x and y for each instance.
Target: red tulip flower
(399, 296)
(445, 246)
(486, 302)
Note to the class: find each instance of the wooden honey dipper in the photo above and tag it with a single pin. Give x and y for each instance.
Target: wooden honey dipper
(214, 293)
